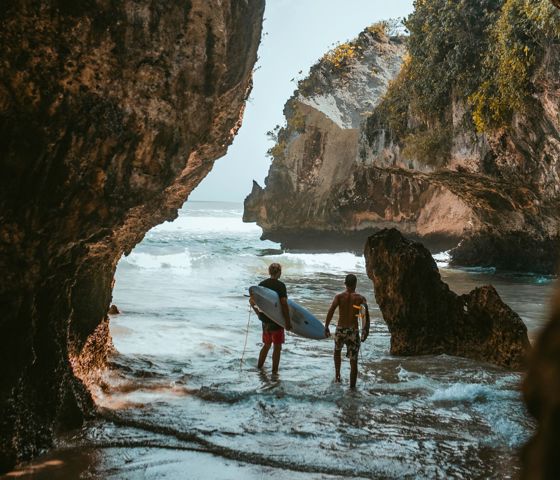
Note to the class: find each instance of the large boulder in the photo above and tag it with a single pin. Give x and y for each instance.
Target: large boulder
(425, 317)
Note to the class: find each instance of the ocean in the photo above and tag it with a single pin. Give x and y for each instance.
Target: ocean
(183, 397)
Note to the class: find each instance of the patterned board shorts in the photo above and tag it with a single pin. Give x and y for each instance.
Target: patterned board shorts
(350, 338)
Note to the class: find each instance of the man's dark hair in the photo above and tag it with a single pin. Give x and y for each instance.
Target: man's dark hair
(274, 269)
(351, 280)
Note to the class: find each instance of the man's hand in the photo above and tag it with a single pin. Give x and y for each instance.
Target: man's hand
(364, 336)
(327, 331)
(289, 325)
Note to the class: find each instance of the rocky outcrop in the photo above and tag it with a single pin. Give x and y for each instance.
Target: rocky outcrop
(492, 196)
(425, 317)
(110, 114)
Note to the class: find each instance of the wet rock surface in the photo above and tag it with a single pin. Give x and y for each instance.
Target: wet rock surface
(110, 114)
(425, 317)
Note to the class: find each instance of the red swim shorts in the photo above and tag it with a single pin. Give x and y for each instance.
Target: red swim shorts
(276, 336)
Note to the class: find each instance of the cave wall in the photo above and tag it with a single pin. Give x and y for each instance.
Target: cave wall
(110, 114)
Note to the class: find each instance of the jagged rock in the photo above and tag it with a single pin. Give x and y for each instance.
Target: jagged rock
(425, 317)
(110, 114)
(113, 310)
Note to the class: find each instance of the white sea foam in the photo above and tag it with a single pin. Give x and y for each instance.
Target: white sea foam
(469, 392)
(188, 325)
(155, 262)
(442, 258)
(322, 262)
(208, 224)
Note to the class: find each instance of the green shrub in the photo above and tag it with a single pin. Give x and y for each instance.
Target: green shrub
(483, 53)
(519, 40)
(429, 147)
(341, 56)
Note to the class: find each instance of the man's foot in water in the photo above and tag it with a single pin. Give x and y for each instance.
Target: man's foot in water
(337, 379)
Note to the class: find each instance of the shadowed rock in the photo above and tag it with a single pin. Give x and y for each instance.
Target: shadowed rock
(425, 317)
(111, 113)
(113, 310)
(541, 390)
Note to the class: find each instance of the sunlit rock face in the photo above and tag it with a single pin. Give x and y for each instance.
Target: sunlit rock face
(110, 114)
(425, 317)
(337, 178)
(307, 199)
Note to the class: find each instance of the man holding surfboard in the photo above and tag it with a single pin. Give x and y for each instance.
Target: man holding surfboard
(349, 304)
(273, 334)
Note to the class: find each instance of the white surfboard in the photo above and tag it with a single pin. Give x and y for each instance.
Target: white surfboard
(304, 323)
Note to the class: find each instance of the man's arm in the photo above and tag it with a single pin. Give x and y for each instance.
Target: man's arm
(253, 305)
(330, 314)
(286, 312)
(365, 322)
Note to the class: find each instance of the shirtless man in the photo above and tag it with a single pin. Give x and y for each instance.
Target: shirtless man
(349, 303)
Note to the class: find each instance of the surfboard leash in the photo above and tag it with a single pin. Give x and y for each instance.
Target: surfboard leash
(246, 337)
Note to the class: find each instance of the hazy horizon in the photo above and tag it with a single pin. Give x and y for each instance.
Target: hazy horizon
(296, 34)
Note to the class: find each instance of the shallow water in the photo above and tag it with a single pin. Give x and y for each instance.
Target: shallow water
(183, 383)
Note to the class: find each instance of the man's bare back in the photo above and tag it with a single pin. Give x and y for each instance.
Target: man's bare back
(348, 304)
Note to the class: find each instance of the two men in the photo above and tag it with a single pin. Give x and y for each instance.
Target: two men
(349, 304)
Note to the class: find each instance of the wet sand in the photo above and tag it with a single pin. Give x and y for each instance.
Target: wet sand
(147, 463)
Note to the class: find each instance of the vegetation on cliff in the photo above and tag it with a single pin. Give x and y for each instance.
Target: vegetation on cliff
(334, 68)
(336, 64)
(482, 54)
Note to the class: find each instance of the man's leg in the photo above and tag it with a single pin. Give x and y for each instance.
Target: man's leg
(262, 356)
(276, 352)
(353, 372)
(337, 362)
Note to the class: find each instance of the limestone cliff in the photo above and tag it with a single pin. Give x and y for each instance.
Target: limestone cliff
(317, 149)
(110, 114)
(428, 160)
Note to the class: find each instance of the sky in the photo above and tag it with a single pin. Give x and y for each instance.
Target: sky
(296, 33)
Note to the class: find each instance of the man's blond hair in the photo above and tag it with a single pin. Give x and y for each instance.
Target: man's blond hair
(275, 269)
